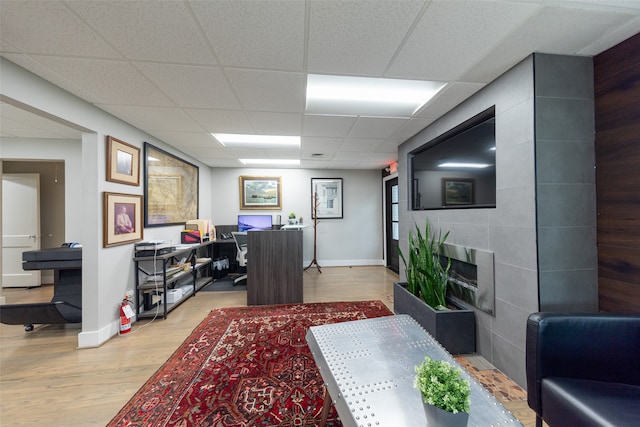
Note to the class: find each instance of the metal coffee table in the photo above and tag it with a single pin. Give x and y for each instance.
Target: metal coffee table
(368, 370)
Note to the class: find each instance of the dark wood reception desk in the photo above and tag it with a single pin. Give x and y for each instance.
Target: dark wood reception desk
(274, 267)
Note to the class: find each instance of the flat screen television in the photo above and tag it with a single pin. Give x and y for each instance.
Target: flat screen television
(456, 170)
(254, 222)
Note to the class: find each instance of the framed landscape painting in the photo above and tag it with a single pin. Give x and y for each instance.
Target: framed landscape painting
(260, 192)
(457, 191)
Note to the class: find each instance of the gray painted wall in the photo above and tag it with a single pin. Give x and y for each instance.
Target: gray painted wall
(537, 219)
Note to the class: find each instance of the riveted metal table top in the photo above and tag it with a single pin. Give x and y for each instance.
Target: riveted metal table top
(368, 368)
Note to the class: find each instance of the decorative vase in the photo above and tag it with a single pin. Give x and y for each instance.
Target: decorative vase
(441, 418)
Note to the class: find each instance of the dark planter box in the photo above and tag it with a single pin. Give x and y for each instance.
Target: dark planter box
(454, 329)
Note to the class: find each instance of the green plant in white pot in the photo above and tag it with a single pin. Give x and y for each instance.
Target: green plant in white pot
(445, 394)
(427, 278)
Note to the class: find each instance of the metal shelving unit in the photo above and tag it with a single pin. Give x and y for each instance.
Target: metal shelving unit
(152, 293)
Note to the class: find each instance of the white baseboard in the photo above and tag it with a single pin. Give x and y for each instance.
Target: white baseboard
(347, 263)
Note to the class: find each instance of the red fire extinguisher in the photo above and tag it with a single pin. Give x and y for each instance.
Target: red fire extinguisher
(125, 316)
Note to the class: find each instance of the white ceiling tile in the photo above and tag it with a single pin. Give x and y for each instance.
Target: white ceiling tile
(360, 144)
(357, 37)
(222, 121)
(410, 128)
(553, 30)
(49, 27)
(32, 63)
(266, 123)
(321, 145)
(269, 90)
(192, 86)
(368, 127)
(454, 35)
(147, 30)
(187, 139)
(160, 118)
(114, 82)
(260, 34)
(330, 126)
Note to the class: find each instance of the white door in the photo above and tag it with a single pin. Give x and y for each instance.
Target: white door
(20, 227)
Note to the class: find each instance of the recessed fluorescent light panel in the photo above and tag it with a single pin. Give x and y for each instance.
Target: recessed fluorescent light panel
(271, 162)
(365, 96)
(464, 165)
(234, 140)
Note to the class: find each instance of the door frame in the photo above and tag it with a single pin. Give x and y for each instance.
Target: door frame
(385, 198)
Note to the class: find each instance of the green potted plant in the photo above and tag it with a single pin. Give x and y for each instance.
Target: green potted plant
(445, 394)
(424, 295)
(427, 278)
(292, 218)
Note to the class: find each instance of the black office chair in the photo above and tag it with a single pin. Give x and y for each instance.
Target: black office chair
(240, 237)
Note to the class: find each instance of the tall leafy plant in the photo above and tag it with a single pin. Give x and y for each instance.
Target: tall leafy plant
(426, 276)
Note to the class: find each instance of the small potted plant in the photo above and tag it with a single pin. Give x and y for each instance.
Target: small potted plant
(292, 218)
(445, 394)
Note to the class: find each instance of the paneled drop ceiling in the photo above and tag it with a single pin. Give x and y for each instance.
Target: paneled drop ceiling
(180, 70)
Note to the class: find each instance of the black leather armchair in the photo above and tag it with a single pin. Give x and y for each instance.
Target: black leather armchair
(584, 369)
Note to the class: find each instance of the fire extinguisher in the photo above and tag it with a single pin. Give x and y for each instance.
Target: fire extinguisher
(125, 316)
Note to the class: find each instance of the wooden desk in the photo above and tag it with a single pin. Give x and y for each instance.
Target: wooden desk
(274, 267)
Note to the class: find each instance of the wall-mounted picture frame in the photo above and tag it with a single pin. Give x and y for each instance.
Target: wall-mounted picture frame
(123, 162)
(261, 192)
(122, 219)
(328, 198)
(457, 191)
(171, 188)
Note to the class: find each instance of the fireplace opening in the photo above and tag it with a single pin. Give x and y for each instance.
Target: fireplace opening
(471, 276)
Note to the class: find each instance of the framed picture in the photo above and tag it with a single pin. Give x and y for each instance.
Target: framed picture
(327, 194)
(260, 192)
(171, 188)
(457, 191)
(123, 162)
(122, 219)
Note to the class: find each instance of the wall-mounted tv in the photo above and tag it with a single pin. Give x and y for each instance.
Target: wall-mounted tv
(457, 169)
(254, 222)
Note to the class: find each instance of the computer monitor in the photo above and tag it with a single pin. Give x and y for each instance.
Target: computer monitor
(254, 222)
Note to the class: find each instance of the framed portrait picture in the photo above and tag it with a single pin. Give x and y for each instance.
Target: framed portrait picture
(457, 191)
(123, 162)
(122, 219)
(260, 192)
(326, 193)
(171, 188)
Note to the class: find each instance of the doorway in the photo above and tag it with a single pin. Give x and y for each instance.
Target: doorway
(391, 224)
(20, 227)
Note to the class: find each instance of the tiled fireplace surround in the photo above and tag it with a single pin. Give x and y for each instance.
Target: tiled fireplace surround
(543, 229)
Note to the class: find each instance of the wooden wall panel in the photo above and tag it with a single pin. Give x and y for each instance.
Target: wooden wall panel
(617, 117)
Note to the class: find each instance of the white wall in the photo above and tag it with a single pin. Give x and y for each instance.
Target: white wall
(356, 239)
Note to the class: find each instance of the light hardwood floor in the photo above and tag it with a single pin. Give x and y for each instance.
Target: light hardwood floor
(46, 381)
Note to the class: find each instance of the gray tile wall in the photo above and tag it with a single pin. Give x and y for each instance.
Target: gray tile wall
(545, 201)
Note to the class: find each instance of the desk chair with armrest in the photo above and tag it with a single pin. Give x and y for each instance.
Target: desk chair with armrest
(240, 237)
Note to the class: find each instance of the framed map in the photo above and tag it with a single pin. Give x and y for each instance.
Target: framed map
(170, 188)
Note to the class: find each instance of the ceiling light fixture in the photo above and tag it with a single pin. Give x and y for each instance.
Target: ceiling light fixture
(282, 162)
(366, 96)
(464, 165)
(234, 140)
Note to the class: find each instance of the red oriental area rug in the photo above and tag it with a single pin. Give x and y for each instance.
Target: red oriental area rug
(245, 366)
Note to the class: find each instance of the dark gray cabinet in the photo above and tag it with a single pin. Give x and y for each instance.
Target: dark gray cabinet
(274, 267)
